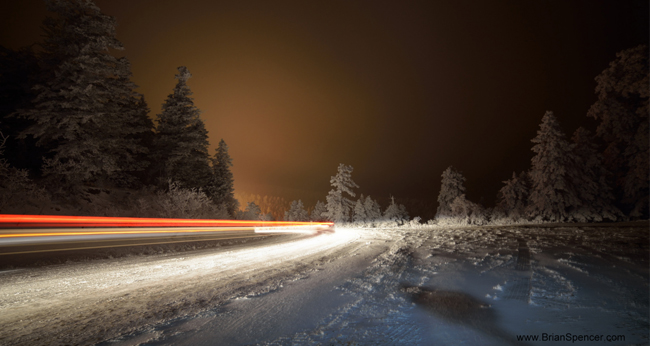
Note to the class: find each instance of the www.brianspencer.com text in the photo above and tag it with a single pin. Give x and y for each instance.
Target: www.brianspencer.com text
(570, 337)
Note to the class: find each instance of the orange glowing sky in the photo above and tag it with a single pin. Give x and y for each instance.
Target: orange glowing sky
(398, 91)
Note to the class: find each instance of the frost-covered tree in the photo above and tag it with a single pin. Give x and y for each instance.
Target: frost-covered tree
(513, 196)
(181, 138)
(396, 212)
(178, 202)
(360, 211)
(392, 211)
(552, 195)
(338, 206)
(622, 109)
(373, 209)
(319, 210)
(468, 212)
(252, 212)
(139, 175)
(403, 213)
(452, 186)
(296, 212)
(590, 180)
(221, 186)
(86, 108)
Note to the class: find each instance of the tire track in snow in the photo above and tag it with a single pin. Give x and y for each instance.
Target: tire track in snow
(377, 316)
(520, 288)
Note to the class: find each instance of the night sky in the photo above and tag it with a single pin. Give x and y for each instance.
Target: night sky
(399, 91)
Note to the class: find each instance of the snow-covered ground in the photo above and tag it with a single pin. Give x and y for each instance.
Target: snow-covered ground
(423, 286)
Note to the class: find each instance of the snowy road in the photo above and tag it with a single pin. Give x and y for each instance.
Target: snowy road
(420, 286)
(84, 303)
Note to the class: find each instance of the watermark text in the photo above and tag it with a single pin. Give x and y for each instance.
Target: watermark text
(570, 337)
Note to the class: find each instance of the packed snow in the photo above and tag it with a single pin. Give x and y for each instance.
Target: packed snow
(424, 285)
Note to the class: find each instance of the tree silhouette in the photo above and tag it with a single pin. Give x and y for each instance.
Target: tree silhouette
(86, 109)
(181, 138)
(338, 206)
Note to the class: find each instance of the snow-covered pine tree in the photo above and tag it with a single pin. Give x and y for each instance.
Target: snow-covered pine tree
(403, 214)
(590, 181)
(181, 138)
(265, 217)
(452, 186)
(622, 108)
(552, 195)
(140, 174)
(373, 210)
(221, 187)
(392, 211)
(360, 211)
(396, 212)
(513, 196)
(296, 212)
(338, 206)
(86, 109)
(319, 210)
(468, 212)
(252, 212)
(289, 215)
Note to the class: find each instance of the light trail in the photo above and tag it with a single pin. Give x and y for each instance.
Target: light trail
(47, 221)
(45, 233)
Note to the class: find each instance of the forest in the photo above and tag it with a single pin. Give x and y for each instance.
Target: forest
(78, 139)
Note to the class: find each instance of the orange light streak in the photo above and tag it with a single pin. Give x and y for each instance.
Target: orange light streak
(102, 232)
(52, 221)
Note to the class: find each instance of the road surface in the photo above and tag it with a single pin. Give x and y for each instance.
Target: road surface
(420, 286)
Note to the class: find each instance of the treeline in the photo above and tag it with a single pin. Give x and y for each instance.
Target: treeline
(339, 207)
(589, 178)
(76, 134)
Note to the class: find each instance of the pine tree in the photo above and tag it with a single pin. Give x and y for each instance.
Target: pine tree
(139, 174)
(513, 196)
(396, 212)
(252, 212)
(86, 109)
(289, 215)
(360, 211)
(622, 108)
(552, 195)
(468, 212)
(392, 212)
(403, 214)
(338, 206)
(373, 209)
(181, 138)
(319, 210)
(590, 181)
(296, 212)
(452, 186)
(221, 187)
